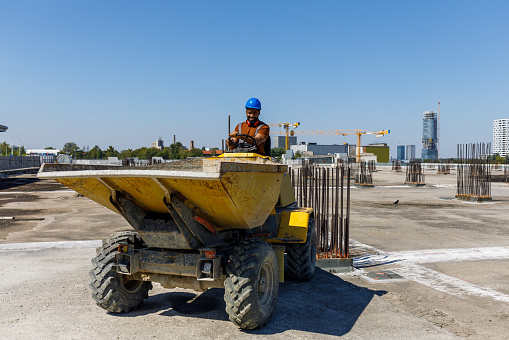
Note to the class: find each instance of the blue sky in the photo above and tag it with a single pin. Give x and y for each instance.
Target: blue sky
(123, 73)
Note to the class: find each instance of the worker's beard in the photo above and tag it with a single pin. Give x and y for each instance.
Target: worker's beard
(252, 121)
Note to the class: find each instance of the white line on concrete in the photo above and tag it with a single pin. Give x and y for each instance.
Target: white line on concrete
(49, 245)
(409, 267)
(447, 284)
(434, 255)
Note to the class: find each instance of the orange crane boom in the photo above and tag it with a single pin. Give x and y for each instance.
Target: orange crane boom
(358, 133)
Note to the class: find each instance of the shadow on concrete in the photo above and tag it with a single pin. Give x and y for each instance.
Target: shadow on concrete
(29, 184)
(325, 305)
(9, 183)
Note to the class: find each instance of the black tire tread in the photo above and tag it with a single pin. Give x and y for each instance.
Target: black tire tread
(105, 281)
(241, 293)
(300, 265)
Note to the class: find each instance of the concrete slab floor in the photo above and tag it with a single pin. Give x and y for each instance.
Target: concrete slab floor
(454, 297)
(326, 307)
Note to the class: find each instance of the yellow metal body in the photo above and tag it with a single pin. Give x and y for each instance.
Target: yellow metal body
(293, 225)
(287, 194)
(230, 191)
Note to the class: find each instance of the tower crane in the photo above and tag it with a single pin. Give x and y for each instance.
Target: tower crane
(358, 133)
(288, 133)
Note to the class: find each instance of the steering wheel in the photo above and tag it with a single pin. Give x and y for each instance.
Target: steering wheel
(244, 144)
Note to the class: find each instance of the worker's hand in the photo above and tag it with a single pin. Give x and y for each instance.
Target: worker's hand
(233, 134)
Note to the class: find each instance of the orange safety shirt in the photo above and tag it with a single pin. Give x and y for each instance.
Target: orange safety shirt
(257, 128)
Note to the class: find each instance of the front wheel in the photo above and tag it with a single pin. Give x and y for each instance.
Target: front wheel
(113, 291)
(252, 284)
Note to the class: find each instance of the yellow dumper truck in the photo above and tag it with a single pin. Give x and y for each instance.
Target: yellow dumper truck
(198, 223)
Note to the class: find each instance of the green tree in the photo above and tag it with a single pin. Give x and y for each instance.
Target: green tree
(49, 148)
(140, 153)
(195, 153)
(151, 152)
(70, 149)
(5, 149)
(165, 153)
(175, 150)
(95, 153)
(111, 152)
(277, 152)
(297, 155)
(126, 154)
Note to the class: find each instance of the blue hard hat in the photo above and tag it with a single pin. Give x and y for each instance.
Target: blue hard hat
(253, 103)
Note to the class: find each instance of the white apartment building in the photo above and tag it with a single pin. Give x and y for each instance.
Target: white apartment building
(501, 137)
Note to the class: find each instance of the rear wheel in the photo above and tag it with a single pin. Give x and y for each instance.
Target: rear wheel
(252, 284)
(301, 257)
(113, 291)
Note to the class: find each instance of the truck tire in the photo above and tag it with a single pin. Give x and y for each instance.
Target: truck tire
(301, 257)
(252, 284)
(111, 290)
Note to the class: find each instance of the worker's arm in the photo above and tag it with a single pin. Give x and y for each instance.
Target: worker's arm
(262, 134)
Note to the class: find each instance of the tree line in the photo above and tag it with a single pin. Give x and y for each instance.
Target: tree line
(174, 151)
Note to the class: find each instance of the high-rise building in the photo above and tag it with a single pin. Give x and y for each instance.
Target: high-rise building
(429, 135)
(501, 137)
(280, 141)
(410, 152)
(401, 153)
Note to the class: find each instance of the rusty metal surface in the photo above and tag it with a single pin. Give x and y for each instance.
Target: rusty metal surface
(363, 176)
(327, 192)
(414, 175)
(396, 165)
(168, 262)
(474, 172)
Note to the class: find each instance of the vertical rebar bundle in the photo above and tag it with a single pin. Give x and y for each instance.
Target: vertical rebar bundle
(396, 165)
(444, 168)
(474, 172)
(363, 176)
(328, 192)
(414, 175)
(372, 166)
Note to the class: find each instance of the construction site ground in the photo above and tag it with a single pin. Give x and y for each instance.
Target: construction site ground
(428, 267)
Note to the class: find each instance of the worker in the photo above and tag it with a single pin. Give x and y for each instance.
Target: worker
(254, 127)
